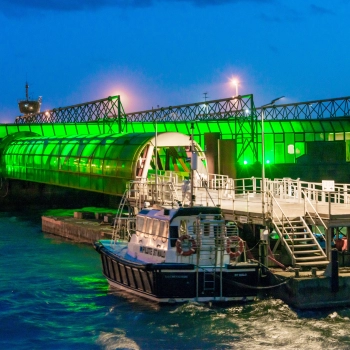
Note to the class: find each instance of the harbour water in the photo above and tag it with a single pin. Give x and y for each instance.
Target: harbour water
(53, 296)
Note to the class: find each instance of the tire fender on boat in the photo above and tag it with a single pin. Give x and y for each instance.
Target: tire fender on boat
(234, 239)
(189, 252)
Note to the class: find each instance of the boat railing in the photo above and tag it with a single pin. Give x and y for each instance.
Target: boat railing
(216, 236)
(163, 192)
(125, 228)
(169, 187)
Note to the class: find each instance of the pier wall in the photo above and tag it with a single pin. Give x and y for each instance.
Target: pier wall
(312, 292)
(77, 230)
(19, 195)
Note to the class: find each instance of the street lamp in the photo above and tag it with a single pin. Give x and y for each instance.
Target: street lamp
(263, 154)
(156, 152)
(155, 120)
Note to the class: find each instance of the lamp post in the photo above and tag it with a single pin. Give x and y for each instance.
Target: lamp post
(156, 154)
(263, 154)
(156, 119)
(156, 160)
(192, 165)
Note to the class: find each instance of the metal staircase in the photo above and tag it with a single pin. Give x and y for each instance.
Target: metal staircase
(296, 236)
(300, 242)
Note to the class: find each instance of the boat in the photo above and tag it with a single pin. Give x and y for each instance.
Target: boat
(29, 106)
(177, 254)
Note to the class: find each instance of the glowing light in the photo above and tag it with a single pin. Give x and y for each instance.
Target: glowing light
(124, 98)
(267, 162)
(235, 82)
(245, 162)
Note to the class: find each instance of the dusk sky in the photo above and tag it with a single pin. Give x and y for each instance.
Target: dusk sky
(170, 52)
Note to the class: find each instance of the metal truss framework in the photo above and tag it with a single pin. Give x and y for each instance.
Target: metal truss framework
(241, 109)
(318, 109)
(235, 107)
(99, 110)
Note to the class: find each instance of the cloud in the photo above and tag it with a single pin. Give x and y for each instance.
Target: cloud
(318, 10)
(203, 3)
(16, 7)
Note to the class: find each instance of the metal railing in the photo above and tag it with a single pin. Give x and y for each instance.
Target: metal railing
(235, 194)
(313, 214)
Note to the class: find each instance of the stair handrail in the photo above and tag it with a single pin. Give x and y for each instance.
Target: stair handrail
(278, 205)
(313, 236)
(284, 216)
(306, 211)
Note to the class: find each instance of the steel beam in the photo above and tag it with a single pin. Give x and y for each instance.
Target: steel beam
(316, 109)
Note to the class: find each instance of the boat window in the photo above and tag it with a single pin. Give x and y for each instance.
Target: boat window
(174, 234)
(163, 229)
(155, 229)
(139, 223)
(148, 228)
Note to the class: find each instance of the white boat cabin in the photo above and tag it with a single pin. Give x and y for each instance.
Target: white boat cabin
(184, 235)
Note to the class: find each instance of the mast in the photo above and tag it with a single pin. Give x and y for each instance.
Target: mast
(27, 94)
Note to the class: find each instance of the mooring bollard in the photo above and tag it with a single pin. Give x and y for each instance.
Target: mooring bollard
(314, 271)
(297, 271)
(263, 256)
(334, 271)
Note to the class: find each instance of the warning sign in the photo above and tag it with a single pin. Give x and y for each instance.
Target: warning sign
(328, 185)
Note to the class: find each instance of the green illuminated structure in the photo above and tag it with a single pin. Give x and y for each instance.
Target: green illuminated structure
(309, 138)
(285, 141)
(102, 163)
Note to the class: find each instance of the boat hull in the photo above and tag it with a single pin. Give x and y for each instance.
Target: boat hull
(177, 282)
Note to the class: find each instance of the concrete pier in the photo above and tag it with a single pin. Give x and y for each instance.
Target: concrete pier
(77, 229)
(311, 290)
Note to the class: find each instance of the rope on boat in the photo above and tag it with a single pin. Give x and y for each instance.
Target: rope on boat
(285, 281)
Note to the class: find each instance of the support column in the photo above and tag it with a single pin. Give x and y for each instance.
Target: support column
(330, 234)
(211, 151)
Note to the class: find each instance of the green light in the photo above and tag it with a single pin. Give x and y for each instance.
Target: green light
(267, 162)
(245, 162)
(113, 97)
